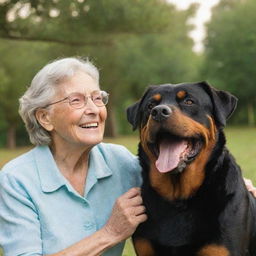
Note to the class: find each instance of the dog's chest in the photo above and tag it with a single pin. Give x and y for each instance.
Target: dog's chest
(178, 223)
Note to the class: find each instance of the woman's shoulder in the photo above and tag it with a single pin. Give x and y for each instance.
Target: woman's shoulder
(115, 149)
(17, 162)
(121, 162)
(117, 154)
(21, 167)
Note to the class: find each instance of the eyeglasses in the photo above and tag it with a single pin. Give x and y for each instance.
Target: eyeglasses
(79, 100)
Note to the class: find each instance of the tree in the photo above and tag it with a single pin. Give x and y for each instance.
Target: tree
(136, 61)
(151, 60)
(231, 51)
(17, 69)
(106, 30)
(86, 22)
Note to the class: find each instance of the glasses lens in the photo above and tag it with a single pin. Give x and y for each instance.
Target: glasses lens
(100, 98)
(77, 100)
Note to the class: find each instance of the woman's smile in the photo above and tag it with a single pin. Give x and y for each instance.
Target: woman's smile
(91, 125)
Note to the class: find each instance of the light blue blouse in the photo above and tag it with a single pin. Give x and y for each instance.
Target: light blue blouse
(41, 213)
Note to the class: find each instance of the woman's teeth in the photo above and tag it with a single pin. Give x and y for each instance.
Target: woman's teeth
(91, 125)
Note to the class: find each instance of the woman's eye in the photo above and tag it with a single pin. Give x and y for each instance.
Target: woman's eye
(189, 102)
(75, 100)
(98, 98)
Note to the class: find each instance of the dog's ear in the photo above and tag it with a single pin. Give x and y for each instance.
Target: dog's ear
(224, 103)
(133, 114)
(134, 111)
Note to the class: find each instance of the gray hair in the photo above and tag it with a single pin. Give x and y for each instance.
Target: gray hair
(42, 89)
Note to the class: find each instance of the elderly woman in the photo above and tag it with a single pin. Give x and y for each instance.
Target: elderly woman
(72, 194)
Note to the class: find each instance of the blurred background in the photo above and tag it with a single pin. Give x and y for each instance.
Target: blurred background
(134, 43)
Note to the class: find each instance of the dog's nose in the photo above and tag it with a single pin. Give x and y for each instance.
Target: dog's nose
(160, 112)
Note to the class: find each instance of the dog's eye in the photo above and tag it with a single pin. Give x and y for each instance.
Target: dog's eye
(151, 105)
(188, 102)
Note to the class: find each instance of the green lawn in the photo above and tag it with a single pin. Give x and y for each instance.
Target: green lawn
(241, 142)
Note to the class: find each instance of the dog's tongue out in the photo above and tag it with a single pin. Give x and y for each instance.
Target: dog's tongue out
(169, 155)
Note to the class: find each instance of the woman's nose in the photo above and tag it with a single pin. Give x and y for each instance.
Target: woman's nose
(90, 107)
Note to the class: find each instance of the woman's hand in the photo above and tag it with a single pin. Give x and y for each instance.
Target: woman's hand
(250, 187)
(128, 212)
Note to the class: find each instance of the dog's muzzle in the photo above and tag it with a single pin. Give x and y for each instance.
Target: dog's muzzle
(160, 113)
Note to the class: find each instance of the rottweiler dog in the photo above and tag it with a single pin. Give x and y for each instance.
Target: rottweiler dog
(196, 200)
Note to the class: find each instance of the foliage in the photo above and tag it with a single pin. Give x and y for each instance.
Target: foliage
(231, 49)
(91, 21)
(152, 60)
(133, 42)
(19, 62)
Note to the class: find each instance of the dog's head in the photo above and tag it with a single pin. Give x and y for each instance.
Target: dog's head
(178, 123)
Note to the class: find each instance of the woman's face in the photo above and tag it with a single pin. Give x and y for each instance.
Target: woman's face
(82, 127)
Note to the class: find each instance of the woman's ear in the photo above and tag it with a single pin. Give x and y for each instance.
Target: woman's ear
(43, 118)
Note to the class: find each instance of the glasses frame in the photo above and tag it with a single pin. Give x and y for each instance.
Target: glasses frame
(85, 100)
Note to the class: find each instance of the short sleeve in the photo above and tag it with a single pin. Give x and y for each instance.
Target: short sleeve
(19, 223)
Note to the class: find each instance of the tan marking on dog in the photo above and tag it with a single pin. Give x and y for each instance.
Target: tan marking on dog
(213, 250)
(181, 95)
(184, 185)
(157, 97)
(144, 139)
(143, 247)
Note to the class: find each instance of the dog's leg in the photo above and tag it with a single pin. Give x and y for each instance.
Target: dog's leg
(213, 250)
(143, 247)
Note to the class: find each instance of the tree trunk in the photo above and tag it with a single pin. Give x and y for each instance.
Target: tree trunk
(11, 137)
(111, 124)
(251, 119)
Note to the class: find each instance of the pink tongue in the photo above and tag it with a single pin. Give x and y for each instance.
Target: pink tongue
(169, 156)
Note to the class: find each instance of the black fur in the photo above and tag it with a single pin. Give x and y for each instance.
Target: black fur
(222, 211)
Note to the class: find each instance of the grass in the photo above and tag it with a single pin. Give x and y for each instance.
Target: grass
(241, 142)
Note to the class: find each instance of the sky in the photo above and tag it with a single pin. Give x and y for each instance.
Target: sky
(203, 15)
